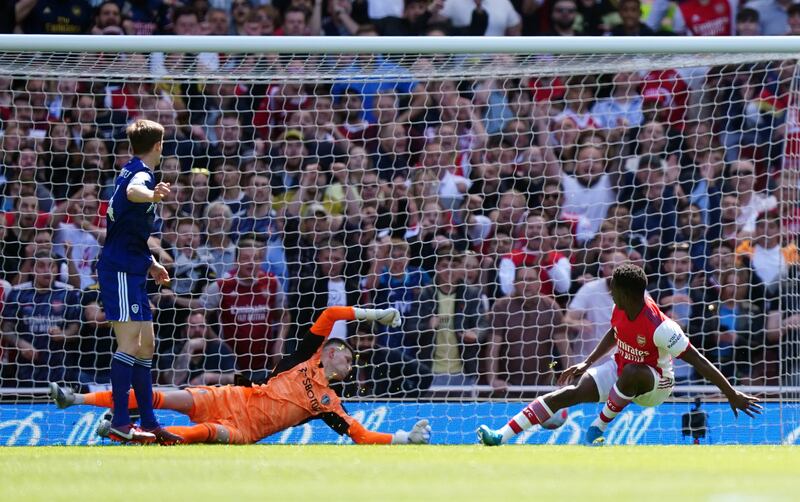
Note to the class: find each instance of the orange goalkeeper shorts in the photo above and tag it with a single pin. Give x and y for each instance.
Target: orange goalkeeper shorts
(226, 406)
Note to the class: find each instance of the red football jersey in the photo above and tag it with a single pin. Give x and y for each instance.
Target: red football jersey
(713, 19)
(652, 339)
(246, 315)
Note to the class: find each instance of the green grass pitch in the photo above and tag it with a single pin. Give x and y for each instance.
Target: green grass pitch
(261, 472)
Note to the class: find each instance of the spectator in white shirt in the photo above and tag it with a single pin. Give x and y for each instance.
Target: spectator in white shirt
(623, 108)
(78, 244)
(589, 313)
(751, 203)
(588, 192)
(378, 9)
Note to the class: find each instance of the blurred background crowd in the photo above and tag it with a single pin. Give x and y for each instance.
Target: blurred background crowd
(491, 212)
(403, 17)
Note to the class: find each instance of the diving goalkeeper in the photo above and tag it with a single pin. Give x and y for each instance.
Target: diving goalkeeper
(297, 392)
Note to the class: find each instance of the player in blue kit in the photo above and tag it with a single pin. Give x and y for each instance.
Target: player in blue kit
(122, 272)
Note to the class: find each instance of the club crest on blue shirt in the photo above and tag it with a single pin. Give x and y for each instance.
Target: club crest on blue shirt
(135, 308)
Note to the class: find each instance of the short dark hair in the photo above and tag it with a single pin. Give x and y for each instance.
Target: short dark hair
(340, 342)
(301, 10)
(630, 279)
(793, 10)
(184, 10)
(650, 161)
(103, 4)
(747, 15)
(249, 240)
(143, 135)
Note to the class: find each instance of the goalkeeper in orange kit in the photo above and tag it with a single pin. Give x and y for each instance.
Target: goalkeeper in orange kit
(297, 392)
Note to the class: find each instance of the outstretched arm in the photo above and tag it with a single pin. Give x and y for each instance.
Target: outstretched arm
(342, 423)
(323, 326)
(602, 348)
(606, 344)
(738, 400)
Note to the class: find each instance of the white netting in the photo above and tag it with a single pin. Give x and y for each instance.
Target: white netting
(487, 197)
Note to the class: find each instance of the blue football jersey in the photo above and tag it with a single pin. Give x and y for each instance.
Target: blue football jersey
(35, 312)
(129, 225)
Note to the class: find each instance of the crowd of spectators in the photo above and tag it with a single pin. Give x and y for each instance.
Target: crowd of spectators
(490, 212)
(403, 17)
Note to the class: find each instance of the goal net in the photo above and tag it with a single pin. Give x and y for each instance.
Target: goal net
(486, 196)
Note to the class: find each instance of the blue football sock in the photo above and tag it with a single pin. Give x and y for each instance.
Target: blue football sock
(121, 377)
(143, 388)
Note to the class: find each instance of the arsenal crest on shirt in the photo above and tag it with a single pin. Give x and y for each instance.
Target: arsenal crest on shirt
(640, 340)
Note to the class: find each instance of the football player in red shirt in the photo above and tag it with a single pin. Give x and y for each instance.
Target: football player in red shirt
(640, 371)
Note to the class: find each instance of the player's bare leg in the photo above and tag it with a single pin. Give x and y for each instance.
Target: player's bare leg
(635, 380)
(541, 409)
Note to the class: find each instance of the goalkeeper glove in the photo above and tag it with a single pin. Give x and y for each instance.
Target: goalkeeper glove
(387, 317)
(420, 434)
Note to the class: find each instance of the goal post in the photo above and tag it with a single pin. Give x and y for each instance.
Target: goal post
(486, 187)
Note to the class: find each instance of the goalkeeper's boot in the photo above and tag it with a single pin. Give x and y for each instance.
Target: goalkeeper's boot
(165, 437)
(104, 427)
(63, 396)
(489, 437)
(594, 436)
(129, 433)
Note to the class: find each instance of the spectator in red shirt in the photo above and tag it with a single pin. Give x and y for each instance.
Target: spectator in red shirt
(251, 306)
(554, 268)
(705, 18)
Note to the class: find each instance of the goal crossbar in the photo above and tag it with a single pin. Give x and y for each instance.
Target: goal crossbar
(404, 45)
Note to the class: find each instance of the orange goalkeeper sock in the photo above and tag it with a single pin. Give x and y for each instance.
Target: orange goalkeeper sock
(103, 399)
(200, 433)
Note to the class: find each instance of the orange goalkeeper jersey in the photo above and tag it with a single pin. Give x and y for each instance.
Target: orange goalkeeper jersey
(288, 399)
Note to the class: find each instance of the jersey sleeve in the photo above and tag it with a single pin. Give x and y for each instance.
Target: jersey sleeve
(324, 324)
(670, 337)
(342, 423)
(141, 178)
